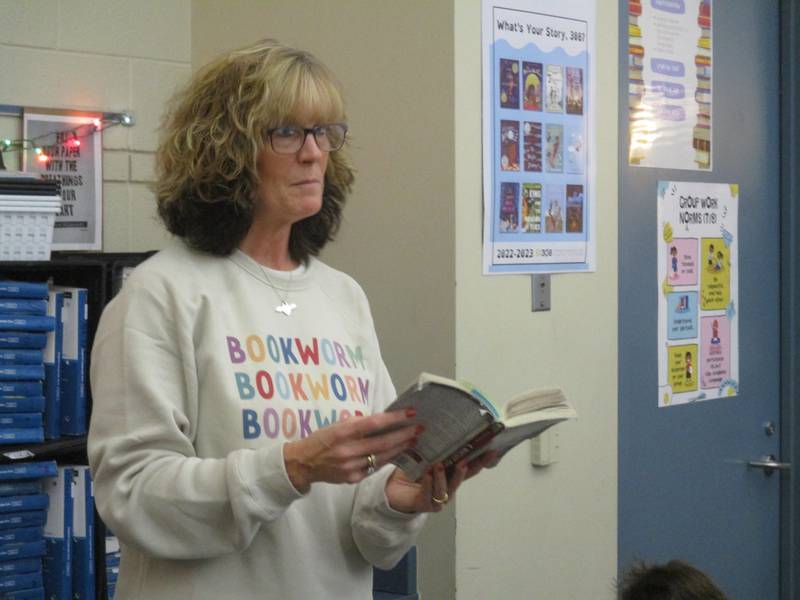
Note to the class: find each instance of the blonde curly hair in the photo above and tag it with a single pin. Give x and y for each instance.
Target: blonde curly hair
(215, 130)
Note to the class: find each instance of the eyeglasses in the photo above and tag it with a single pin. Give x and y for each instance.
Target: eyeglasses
(288, 139)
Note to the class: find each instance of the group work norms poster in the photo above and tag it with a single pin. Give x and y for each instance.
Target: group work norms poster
(698, 291)
(538, 142)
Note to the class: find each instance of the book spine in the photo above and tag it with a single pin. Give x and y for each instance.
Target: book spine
(21, 372)
(21, 487)
(36, 593)
(21, 357)
(23, 503)
(22, 534)
(20, 388)
(23, 307)
(23, 289)
(52, 368)
(25, 565)
(83, 572)
(21, 435)
(27, 323)
(22, 550)
(20, 420)
(73, 363)
(57, 561)
(23, 519)
(21, 339)
(21, 404)
(30, 470)
(19, 582)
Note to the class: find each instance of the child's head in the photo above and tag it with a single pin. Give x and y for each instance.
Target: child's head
(675, 580)
(673, 251)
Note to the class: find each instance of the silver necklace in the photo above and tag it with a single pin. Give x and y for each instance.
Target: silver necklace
(284, 307)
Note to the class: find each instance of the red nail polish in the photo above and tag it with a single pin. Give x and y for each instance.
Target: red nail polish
(411, 412)
(419, 429)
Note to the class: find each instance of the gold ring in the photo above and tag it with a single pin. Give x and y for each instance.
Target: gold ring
(442, 500)
(372, 462)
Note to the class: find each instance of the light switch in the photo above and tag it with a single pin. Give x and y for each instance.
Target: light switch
(544, 448)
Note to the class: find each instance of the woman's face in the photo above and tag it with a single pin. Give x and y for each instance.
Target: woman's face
(291, 184)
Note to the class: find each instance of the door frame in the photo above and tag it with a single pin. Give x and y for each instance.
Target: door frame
(790, 296)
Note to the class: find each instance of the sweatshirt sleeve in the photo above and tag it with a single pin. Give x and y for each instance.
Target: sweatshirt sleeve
(151, 488)
(382, 534)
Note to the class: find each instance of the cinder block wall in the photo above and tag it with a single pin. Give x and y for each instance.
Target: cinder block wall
(109, 56)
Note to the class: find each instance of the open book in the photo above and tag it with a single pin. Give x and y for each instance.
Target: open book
(461, 422)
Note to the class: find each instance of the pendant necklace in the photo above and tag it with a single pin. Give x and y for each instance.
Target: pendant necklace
(284, 307)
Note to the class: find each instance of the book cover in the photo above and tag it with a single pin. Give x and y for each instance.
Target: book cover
(27, 502)
(21, 388)
(554, 148)
(21, 404)
(574, 208)
(21, 487)
(532, 81)
(22, 550)
(14, 356)
(554, 213)
(509, 145)
(28, 470)
(19, 581)
(554, 89)
(83, 572)
(21, 534)
(57, 561)
(26, 323)
(24, 565)
(73, 360)
(22, 339)
(31, 518)
(532, 207)
(21, 435)
(25, 306)
(52, 367)
(532, 146)
(21, 372)
(574, 91)
(509, 83)
(23, 289)
(509, 210)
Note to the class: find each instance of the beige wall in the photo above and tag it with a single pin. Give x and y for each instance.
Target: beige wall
(109, 56)
(545, 532)
(395, 62)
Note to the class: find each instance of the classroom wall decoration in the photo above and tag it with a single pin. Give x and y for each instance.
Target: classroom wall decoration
(538, 107)
(698, 292)
(670, 84)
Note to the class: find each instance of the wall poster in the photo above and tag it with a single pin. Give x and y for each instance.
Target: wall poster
(670, 84)
(71, 152)
(698, 292)
(538, 143)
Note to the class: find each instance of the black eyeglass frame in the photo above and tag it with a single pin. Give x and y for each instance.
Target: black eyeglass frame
(316, 129)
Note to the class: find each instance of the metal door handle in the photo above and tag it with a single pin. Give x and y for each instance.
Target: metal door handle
(770, 464)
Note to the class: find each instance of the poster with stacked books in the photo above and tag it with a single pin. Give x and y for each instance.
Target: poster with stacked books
(698, 292)
(538, 142)
(670, 96)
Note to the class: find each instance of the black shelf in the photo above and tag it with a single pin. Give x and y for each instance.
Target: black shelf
(71, 448)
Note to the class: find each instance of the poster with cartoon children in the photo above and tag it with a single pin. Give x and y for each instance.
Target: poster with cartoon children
(698, 291)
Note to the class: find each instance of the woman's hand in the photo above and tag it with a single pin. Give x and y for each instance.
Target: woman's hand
(348, 450)
(434, 489)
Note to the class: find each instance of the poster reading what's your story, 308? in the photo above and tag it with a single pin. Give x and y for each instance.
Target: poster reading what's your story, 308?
(698, 292)
(538, 146)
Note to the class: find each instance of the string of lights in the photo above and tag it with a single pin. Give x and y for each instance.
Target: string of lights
(70, 137)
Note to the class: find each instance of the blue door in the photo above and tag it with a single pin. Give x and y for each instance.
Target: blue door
(685, 487)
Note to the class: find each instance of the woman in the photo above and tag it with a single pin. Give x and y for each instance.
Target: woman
(237, 380)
